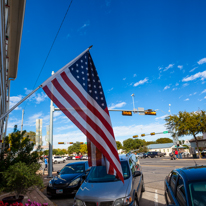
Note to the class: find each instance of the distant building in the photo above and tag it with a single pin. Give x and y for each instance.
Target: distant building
(39, 132)
(164, 148)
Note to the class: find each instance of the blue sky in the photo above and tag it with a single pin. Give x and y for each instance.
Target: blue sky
(154, 49)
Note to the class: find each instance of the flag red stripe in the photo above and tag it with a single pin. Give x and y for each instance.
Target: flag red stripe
(72, 118)
(87, 103)
(89, 152)
(87, 119)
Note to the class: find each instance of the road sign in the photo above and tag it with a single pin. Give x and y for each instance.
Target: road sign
(126, 113)
(60, 142)
(135, 136)
(85, 143)
(141, 110)
(165, 132)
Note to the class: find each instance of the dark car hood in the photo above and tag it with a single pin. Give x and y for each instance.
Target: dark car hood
(65, 178)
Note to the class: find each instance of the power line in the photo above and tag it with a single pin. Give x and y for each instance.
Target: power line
(51, 46)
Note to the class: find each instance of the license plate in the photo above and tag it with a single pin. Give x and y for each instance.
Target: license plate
(59, 191)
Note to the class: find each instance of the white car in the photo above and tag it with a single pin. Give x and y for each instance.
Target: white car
(58, 159)
(85, 157)
(65, 157)
(73, 157)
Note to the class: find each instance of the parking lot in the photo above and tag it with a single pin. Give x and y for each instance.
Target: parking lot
(154, 170)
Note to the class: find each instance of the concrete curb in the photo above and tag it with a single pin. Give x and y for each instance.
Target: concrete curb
(50, 203)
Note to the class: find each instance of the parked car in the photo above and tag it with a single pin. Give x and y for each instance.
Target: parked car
(78, 157)
(155, 154)
(107, 190)
(85, 157)
(139, 155)
(68, 179)
(69, 157)
(58, 159)
(65, 157)
(186, 186)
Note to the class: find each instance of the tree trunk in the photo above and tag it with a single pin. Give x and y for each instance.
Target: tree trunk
(197, 147)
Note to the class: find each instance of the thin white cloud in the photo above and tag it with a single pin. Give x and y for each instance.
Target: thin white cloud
(162, 117)
(85, 25)
(37, 97)
(202, 61)
(181, 96)
(193, 69)
(134, 75)
(168, 67)
(180, 67)
(129, 131)
(160, 68)
(174, 89)
(193, 94)
(186, 84)
(119, 105)
(166, 87)
(176, 84)
(14, 100)
(141, 82)
(201, 75)
(124, 78)
(111, 89)
(203, 91)
(187, 99)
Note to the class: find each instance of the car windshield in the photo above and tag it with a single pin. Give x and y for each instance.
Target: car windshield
(198, 193)
(99, 174)
(72, 169)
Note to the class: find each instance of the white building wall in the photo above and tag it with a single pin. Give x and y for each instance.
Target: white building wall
(163, 150)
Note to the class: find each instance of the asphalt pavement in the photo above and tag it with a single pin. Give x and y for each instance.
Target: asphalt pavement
(154, 171)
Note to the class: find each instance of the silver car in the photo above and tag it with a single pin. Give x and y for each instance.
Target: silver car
(102, 189)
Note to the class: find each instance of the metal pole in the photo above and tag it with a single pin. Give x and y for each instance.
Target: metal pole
(22, 120)
(16, 105)
(51, 138)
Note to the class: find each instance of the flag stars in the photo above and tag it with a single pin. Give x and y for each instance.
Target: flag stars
(82, 72)
(88, 80)
(78, 77)
(96, 97)
(77, 65)
(77, 71)
(82, 67)
(83, 78)
(81, 60)
(85, 62)
(86, 68)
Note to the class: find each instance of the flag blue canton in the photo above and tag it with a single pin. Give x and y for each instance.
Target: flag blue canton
(85, 73)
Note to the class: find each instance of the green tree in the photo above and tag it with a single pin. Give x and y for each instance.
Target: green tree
(31, 135)
(185, 123)
(164, 140)
(18, 148)
(133, 144)
(119, 145)
(83, 148)
(74, 148)
(150, 142)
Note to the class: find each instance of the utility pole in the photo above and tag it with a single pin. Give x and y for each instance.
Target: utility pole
(51, 138)
(22, 120)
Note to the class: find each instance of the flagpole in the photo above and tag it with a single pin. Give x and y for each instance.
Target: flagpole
(16, 105)
(49, 79)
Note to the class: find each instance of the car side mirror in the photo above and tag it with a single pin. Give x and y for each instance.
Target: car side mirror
(87, 171)
(137, 173)
(58, 172)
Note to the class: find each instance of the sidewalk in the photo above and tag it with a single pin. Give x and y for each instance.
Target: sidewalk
(191, 159)
(36, 195)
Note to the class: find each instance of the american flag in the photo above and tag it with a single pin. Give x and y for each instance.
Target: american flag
(77, 91)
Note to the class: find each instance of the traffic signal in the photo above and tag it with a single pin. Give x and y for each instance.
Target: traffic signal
(135, 136)
(81, 142)
(60, 142)
(150, 112)
(153, 133)
(71, 143)
(142, 135)
(126, 113)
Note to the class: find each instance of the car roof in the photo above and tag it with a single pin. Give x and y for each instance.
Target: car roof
(193, 173)
(77, 163)
(126, 156)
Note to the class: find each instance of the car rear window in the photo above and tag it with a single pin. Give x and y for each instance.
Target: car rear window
(99, 173)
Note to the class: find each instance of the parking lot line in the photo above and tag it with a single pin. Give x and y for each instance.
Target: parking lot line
(156, 198)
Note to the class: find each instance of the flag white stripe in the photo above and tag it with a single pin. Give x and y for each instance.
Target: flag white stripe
(86, 110)
(88, 97)
(93, 154)
(84, 124)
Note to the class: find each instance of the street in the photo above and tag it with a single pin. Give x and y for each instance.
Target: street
(154, 171)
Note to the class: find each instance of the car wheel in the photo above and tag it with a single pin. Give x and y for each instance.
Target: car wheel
(58, 162)
(143, 187)
(63, 161)
(55, 162)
